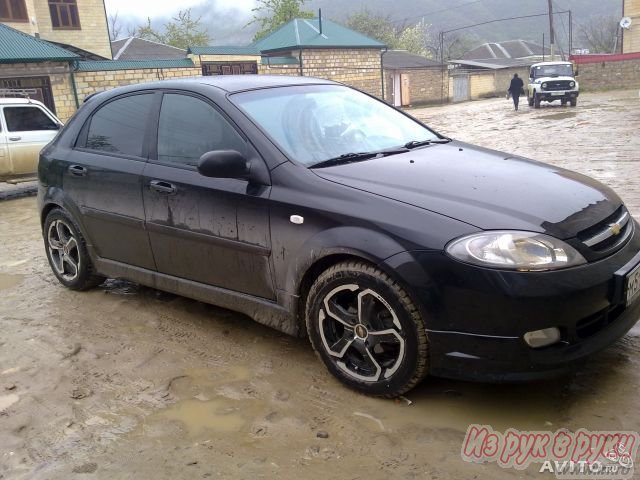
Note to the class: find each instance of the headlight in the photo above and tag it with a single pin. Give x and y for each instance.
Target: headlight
(572, 84)
(514, 250)
(544, 85)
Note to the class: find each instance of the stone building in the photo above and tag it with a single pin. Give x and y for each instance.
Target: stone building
(81, 23)
(321, 48)
(631, 35)
(306, 47)
(411, 79)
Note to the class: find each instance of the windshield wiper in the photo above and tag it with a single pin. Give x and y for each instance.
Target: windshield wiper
(423, 143)
(357, 157)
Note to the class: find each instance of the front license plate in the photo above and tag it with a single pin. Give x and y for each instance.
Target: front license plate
(633, 285)
(557, 93)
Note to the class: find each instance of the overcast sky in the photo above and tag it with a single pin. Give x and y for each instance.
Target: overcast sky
(163, 8)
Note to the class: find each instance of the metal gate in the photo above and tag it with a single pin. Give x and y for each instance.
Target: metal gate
(229, 68)
(460, 88)
(40, 85)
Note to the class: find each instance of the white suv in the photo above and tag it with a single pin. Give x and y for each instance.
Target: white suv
(25, 127)
(550, 81)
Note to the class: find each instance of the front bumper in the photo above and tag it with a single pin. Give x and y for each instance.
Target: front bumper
(476, 317)
(558, 95)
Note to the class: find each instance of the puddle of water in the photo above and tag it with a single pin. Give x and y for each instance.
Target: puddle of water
(9, 281)
(559, 116)
(447, 404)
(217, 415)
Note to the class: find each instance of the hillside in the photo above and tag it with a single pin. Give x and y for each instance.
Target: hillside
(459, 13)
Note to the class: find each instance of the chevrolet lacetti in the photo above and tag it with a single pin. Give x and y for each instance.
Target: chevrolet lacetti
(323, 212)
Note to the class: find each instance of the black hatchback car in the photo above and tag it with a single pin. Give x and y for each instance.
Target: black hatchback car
(321, 211)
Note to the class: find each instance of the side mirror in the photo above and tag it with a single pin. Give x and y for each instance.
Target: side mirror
(223, 164)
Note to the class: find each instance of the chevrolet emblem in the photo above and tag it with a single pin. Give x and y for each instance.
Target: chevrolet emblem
(615, 228)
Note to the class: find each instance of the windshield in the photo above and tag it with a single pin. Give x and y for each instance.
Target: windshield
(562, 70)
(315, 123)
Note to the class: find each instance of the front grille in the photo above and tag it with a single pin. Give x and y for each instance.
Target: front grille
(558, 85)
(591, 325)
(611, 232)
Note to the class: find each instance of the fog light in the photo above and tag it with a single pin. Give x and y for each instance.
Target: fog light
(542, 338)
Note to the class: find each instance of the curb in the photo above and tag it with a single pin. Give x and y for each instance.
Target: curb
(18, 192)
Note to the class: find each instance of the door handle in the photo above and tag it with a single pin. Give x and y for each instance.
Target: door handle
(162, 187)
(77, 171)
(15, 139)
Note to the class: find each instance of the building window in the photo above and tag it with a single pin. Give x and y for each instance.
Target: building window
(64, 14)
(13, 11)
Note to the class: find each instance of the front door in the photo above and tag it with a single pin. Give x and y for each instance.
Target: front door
(102, 176)
(209, 230)
(28, 129)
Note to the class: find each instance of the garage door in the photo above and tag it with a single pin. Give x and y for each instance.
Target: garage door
(37, 88)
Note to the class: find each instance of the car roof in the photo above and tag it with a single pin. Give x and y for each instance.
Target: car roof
(550, 63)
(18, 101)
(226, 83)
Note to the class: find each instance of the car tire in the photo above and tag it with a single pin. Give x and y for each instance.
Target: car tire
(536, 100)
(366, 330)
(573, 102)
(67, 252)
(563, 102)
(530, 100)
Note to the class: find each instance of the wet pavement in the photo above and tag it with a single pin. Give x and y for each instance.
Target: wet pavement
(127, 382)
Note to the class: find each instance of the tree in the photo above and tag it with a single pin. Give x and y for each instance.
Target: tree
(413, 38)
(599, 34)
(454, 46)
(378, 27)
(272, 14)
(182, 32)
(115, 27)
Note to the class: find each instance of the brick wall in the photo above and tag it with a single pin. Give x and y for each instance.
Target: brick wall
(91, 82)
(93, 35)
(609, 75)
(631, 37)
(291, 70)
(359, 68)
(59, 77)
(427, 86)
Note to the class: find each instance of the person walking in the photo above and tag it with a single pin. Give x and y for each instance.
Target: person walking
(515, 89)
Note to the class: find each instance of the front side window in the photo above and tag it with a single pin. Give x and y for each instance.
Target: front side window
(64, 14)
(13, 11)
(320, 122)
(27, 119)
(190, 127)
(119, 126)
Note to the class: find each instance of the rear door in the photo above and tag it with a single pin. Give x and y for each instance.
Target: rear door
(209, 230)
(28, 129)
(102, 177)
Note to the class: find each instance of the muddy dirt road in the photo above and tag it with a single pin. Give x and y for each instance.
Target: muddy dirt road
(126, 382)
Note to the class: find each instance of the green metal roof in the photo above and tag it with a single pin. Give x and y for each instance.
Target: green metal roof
(93, 66)
(305, 33)
(223, 50)
(280, 61)
(18, 47)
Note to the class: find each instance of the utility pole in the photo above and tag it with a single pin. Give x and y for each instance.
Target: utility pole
(552, 37)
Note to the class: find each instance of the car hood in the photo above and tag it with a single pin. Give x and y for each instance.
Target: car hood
(487, 189)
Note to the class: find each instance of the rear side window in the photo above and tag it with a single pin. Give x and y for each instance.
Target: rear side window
(27, 119)
(119, 126)
(190, 127)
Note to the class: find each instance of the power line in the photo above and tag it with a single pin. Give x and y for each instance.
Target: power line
(435, 12)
